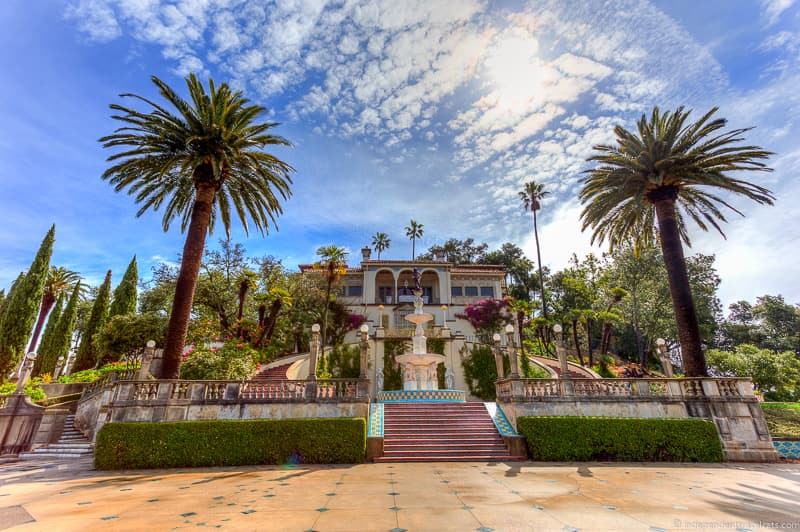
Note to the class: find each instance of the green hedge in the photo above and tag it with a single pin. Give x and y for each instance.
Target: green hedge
(578, 439)
(230, 443)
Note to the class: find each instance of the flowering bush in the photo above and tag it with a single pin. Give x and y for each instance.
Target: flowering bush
(487, 316)
(232, 361)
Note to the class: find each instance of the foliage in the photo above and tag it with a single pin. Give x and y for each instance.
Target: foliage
(230, 443)
(91, 375)
(783, 419)
(414, 231)
(88, 354)
(457, 251)
(62, 335)
(233, 361)
(776, 375)
(344, 362)
(125, 295)
(333, 266)
(42, 364)
(380, 243)
(125, 335)
(33, 389)
(770, 324)
(532, 371)
(487, 316)
(23, 307)
(392, 373)
(9, 296)
(480, 371)
(531, 196)
(559, 439)
(603, 367)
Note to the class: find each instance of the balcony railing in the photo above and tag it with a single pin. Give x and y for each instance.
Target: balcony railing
(530, 390)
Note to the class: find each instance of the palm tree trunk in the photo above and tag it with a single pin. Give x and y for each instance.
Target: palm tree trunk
(413, 248)
(187, 279)
(539, 261)
(589, 341)
(325, 314)
(694, 360)
(48, 300)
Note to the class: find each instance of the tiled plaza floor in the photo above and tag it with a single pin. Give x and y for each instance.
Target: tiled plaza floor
(446, 496)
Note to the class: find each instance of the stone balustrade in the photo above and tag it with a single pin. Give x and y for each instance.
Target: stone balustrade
(522, 390)
(112, 376)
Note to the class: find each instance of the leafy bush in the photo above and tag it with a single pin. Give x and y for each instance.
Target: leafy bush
(344, 362)
(487, 316)
(480, 371)
(783, 419)
(626, 439)
(392, 373)
(776, 375)
(91, 375)
(126, 335)
(233, 361)
(230, 443)
(603, 367)
(33, 389)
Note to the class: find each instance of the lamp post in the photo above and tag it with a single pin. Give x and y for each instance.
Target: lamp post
(512, 352)
(147, 358)
(561, 352)
(663, 356)
(444, 315)
(25, 372)
(59, 366)
(314, 349)
(498, 356)
(364, 351)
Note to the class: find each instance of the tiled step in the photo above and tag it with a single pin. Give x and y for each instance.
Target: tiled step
(453, 446)
(451, 458)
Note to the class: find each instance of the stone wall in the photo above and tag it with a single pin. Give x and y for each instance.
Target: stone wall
(19, 423)
(729, 403)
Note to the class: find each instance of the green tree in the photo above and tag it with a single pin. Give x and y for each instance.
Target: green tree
(457, 251)
(380, 243)
(660, 175)
(204, 163)
(532, 195)
(333, 265)
(62, 336)
(125, 295)
(59, 281)
(23, 306)
(44, 351)
(775, 374)
(10, 295)
(414, 231)
(126, 335)
(88, 353)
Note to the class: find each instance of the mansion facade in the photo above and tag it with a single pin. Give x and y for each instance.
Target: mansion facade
(381, 291)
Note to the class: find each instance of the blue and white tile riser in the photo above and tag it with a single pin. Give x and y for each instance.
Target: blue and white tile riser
(787, 448)
(375, 428)
(422, 396)
(500, 421)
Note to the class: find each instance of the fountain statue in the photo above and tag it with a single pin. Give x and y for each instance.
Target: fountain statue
(419, 366)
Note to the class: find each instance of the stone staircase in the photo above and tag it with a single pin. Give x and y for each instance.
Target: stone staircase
(71, 444)
(274, 373)
(446, 432)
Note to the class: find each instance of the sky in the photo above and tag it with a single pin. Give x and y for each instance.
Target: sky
(437, 110)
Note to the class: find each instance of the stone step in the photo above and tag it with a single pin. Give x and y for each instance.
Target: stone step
(38, 456)
(64, 448)
(450, 446)
(451, 458)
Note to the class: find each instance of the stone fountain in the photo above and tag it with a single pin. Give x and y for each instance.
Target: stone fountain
(419, 366)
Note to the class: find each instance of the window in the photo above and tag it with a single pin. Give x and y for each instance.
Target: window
(487, 291)
(456, 291)
(354, 291)
(471, 291)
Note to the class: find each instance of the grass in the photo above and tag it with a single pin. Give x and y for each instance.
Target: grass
(783, 419)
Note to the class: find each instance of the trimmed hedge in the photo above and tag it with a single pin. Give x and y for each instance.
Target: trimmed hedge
(230, 443)
(556, 439)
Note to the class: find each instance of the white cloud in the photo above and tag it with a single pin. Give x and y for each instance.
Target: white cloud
(96, 19)
(772, 9)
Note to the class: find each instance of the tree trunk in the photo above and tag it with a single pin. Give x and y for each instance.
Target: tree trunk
(694, 360)
(589, 341)
(187, 277)
(324, 334)
(413, 248)
(539, 261)
(48, 300)
(640, 346)
(521, 329)
(577, 342)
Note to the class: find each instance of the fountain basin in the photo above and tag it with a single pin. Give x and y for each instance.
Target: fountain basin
(425, 359)
(419, 319)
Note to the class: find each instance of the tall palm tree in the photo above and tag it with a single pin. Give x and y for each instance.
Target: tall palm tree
(532, 195)
(203, 160)
(380, 243)
(657, 176)
(59, 280)
(414, 231)
(333, 264)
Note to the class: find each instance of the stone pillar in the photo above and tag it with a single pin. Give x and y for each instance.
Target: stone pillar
(364, 351)
(561, 352)
(314, 352)
(147, 358)
(498, 356)
(663, 357)
(68, 364)
(25, 372)
(512, 352)
(59, 366)
(444, 315)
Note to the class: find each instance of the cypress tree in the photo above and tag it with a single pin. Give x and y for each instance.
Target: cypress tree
(21, 311)
(44, 352)
(87, 350)
(9, 295)
(124, 301)
(62, 335)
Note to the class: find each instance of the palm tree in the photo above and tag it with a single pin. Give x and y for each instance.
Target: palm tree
(203, 161)
(532, 195)
(59, 280)
(414, 231)
(658, 176)
(333, 263)
(380, 243)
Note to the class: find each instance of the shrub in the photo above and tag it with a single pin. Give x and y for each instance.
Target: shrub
(33, 389)
(480, 371)
(626, 439)
(776, 375)
(230, 443)
(233, 361)
(126, 335)
(91, 375)
(392, 373)
(344, 362)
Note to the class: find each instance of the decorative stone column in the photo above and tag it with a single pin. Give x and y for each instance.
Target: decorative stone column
(561, 351)
(147, 358)
(444, 315)
(25, 372)
(59, 366)
(498, 356)
(364, 351)
(512, 352)
(68, 364)
(663, 357)
(314, 351)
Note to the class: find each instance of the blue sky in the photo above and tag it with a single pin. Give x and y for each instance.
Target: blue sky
(436, 110)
